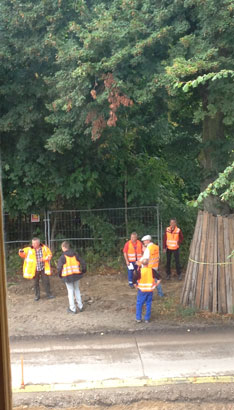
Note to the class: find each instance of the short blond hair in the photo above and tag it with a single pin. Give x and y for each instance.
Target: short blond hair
(66, 245)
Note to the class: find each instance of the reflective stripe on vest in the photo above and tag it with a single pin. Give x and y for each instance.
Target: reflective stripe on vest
(172, 238)
(71, 267)
(134, 254)
(154, 256)
(147, 282)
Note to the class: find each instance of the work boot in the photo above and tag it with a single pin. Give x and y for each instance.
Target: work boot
(50, 296)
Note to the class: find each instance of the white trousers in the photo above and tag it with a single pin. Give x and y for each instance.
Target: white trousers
(73, 291)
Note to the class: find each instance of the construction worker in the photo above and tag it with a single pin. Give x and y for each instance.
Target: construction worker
(151, 252)
(147, 280)
(71, 268)
(37, 265)
(132, 253)
(172, 239)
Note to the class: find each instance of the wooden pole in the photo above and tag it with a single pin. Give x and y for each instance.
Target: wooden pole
(5, 373)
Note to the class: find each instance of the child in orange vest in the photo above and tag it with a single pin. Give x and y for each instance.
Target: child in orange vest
(145, 283)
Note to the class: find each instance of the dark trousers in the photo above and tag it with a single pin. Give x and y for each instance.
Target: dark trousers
(177, 261)
(45, 280)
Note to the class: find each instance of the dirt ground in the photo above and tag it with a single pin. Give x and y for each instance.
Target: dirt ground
(109, 306)
(150, 406)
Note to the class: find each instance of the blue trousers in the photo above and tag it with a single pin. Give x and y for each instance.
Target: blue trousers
(143, 298)
(130, 274)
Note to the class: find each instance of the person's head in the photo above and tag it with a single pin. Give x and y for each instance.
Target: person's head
(146, 240)
(173, 223)
(134, 236)
(36, 243)
(145, 262)
(65, 246)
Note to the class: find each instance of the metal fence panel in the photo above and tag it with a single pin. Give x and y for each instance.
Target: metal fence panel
(103, 230)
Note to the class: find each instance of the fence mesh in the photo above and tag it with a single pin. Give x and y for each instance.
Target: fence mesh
(103, 230)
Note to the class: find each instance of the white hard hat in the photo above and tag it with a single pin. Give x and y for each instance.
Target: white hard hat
(146, 238)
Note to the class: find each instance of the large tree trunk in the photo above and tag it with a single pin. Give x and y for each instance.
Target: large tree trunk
(211, 159)
(209, 280)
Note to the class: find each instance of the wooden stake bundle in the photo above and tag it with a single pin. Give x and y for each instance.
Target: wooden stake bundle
(209, 280)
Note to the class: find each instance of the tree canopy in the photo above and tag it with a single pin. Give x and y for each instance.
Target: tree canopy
(106, 103)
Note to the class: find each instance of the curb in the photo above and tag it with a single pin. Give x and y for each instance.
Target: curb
(118, 383)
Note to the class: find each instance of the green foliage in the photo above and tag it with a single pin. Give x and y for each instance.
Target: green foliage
(13, 264)
(223, 187)
(184, 312)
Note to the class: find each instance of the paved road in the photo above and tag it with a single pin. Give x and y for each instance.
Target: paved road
(128, 359)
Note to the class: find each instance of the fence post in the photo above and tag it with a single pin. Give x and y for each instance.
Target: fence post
(48, 227)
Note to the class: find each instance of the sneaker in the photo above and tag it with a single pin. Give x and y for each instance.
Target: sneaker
(82, 309)
(138, 320)
(168, 277)
(146, 321)
(36, 298)
(71, 311)
(131, 286)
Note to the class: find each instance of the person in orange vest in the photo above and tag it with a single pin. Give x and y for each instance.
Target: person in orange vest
(132, 253)
(71, 268)
(146, 281)
(151, 252)
(37, 265)
(172, 239)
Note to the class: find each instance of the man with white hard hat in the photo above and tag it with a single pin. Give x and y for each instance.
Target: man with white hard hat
(151, 252)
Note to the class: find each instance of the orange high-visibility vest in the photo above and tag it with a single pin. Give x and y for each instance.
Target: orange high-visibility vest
(172, 238)
(71, 267)
(146, 283)
(30, 261)
(154, 256)
(134, 255)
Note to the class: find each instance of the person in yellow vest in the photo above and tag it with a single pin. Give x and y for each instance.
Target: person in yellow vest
(71, 268)
(146, 281)
(37, 266)
(172, 239)
(151, 252)
(132, 253)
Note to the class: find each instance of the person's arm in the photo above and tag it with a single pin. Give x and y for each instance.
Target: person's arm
(82, 262)
(156, 274)
(23, 252)
(125, 252)
(165, 242)
(146, 254)
(181, 237)
(61, 262)
(136, 276)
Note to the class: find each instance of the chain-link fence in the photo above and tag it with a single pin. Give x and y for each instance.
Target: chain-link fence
(102, 230)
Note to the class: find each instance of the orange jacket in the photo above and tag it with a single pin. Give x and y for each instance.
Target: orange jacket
(134, 255)
(147, 282)
(154, 256)
(172, 241)
(30, 261)
(71, 267)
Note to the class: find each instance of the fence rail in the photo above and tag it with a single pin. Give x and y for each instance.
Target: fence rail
(99, 229)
